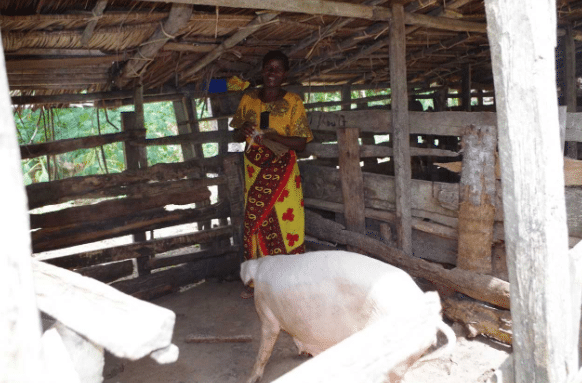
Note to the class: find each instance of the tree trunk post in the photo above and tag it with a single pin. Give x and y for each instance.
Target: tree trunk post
(477, 199)
(536, 234)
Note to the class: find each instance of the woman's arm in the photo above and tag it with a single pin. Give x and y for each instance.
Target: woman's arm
(294, 143)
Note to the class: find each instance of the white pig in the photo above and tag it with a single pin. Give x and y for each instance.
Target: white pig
(321, 298)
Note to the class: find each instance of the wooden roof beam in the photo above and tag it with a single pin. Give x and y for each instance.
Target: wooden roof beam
(341, 9)
(97, 13)
(230, 42)
(178, 18)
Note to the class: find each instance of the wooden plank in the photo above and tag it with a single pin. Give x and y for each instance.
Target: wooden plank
(64, 146)
(47, 239)
(125, 326)
(574, 127)
(116, 208)
(20, 337)
(134, 250)
(189, 138)
(230, 42)
(175, 277)
(400, 129)
(378, 121)
(370, 151)
(352, 180)
(481, 287)
(386, 348)
(108, 272)
(177, 19)
(536, 238)
(41, 194)
(173, 260)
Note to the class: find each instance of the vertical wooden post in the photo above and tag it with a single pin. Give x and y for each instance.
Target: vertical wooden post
(352, 179)
(346, 96)
(466, 91)
(20, 330)
(183, 122)
(536, 234)
(400, 129)
(142, 157)
(134, 161)
(570, 84)
(233, 169)
(477, 199)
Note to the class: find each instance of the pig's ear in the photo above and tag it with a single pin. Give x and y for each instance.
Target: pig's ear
(248, 271)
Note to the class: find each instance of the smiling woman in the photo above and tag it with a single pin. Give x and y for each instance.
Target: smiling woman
(274, 217)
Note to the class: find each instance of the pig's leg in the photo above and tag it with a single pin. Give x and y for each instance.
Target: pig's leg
(269, 331)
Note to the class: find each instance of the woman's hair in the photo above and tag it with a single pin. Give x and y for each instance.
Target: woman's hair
(276, 55)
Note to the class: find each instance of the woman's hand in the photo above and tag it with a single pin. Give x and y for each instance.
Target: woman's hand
(246, 130)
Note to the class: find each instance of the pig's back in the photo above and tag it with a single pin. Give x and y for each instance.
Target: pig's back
(323, 297)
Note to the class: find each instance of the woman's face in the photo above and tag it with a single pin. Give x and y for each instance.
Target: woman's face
(273, 73)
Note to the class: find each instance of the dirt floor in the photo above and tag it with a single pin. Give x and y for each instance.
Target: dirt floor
(215, 308)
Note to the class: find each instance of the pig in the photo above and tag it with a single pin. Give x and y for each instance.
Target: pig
(320, 298)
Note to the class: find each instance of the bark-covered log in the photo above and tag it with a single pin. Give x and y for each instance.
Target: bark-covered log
(478, 318)
(41, 194)
(112, 209)
(481, 287)
(50, 239)
(135, 250)
(63, 146)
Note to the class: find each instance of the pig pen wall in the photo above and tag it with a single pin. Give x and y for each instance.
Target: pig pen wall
(142, 199)
(435, 203)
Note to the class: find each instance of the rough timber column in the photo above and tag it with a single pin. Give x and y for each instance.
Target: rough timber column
(400, 128)
(523, 39)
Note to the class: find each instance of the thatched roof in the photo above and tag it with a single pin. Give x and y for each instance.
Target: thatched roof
(124, 40)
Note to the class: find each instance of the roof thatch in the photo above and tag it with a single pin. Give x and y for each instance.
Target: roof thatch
(46, 52)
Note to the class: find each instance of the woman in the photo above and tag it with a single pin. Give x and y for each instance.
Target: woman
(274, 220)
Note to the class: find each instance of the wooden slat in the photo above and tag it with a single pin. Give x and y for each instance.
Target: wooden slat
(26, 64)
(41, 194)
(134, 250)
(115, 208)
(400, 129)
(64, 146)
(379, 121)
(533, 187)
(352, 180)
(109, 272)
(46, 239)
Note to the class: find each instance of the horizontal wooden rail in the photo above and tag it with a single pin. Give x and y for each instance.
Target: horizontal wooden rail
(135, 250)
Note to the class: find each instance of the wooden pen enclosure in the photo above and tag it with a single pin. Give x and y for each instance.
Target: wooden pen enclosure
(139, 201)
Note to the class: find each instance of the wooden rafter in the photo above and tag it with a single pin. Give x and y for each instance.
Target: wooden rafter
(232, 41)
(340, 9)
(97, 13)
(178, 18)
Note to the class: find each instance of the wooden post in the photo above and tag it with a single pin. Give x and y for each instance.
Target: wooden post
(352, 179)
(134, 161)
(477, 199)
(400, 128)
(466, 91)
(233, 169)
(20, 330)
(570, 84)
(536, 234)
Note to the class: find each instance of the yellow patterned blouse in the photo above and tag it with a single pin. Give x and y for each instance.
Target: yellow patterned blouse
(287, 115)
